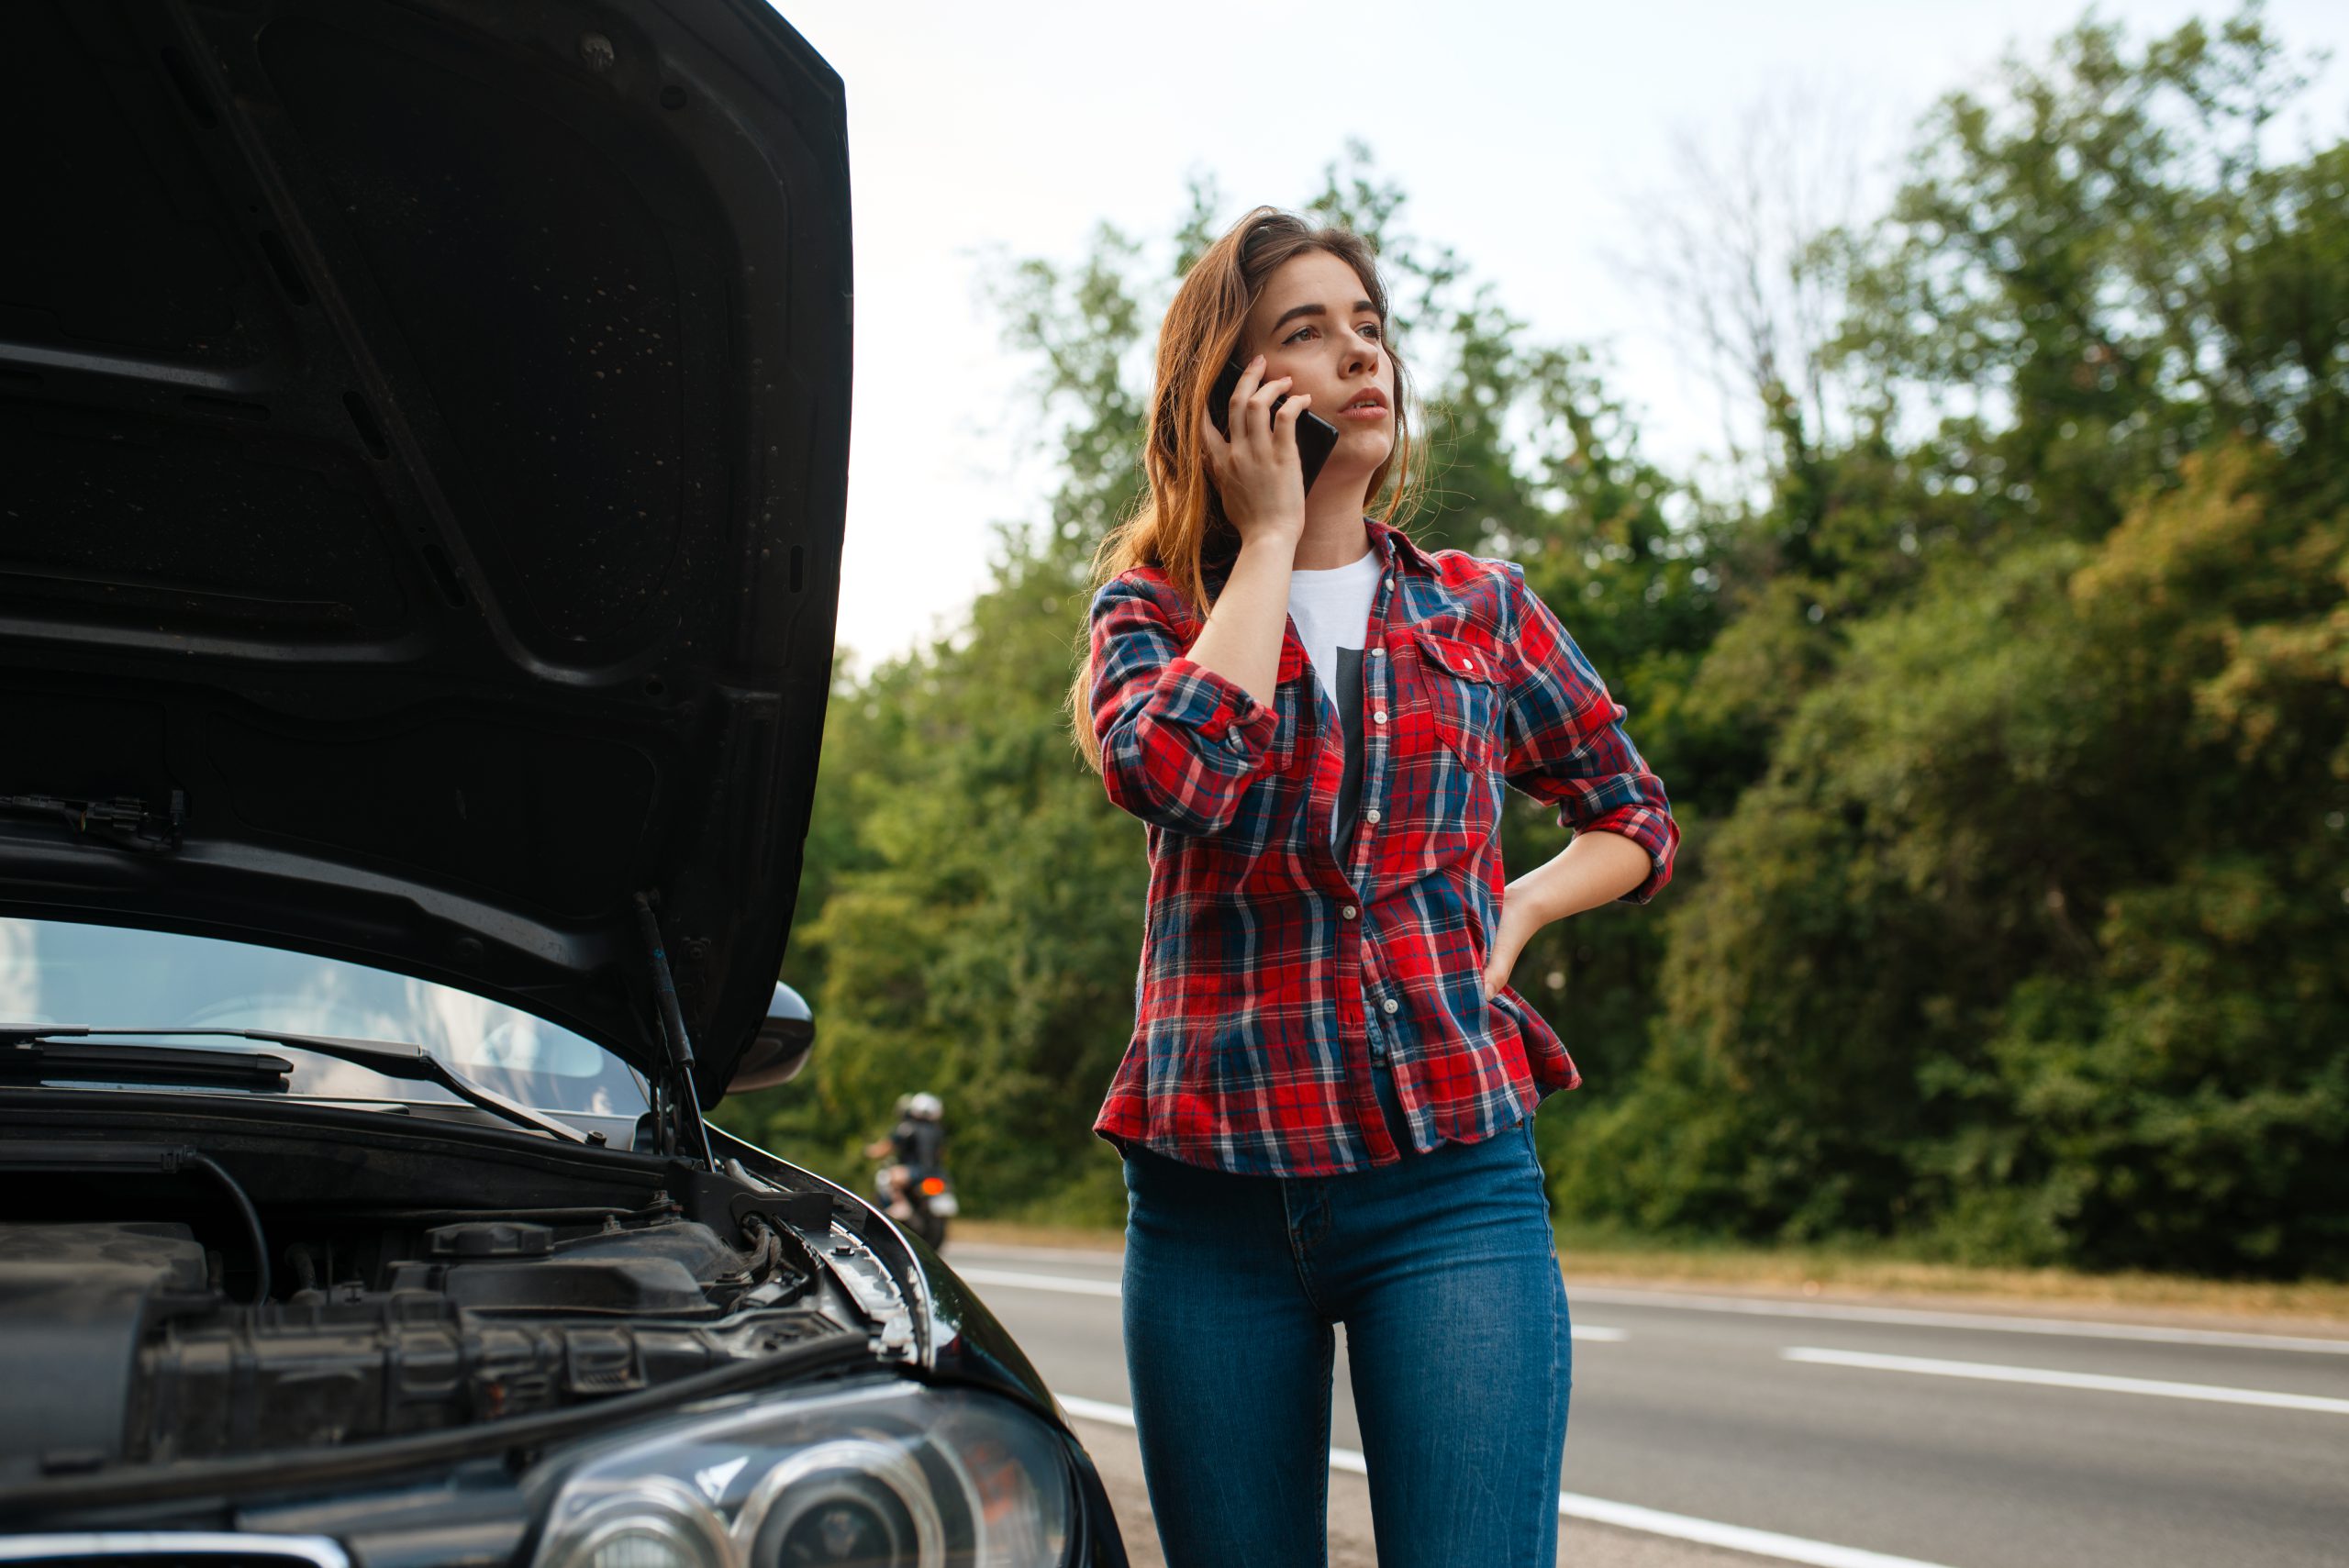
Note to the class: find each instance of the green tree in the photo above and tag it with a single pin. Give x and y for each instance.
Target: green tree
(2026, 943)
(2007, 723)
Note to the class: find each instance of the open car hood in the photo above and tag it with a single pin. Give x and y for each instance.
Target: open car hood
(423, 448)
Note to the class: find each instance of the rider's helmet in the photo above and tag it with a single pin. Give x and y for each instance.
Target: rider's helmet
(926, 1106)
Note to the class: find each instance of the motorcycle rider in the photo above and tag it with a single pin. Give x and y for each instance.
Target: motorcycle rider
(917, 1145)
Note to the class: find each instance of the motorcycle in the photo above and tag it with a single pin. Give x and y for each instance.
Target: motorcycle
(932, 1199)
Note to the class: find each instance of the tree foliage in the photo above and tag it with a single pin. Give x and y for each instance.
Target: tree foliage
(2007, 718)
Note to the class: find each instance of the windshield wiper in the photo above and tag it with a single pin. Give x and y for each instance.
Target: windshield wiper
(393, 1059)
(36, 1057)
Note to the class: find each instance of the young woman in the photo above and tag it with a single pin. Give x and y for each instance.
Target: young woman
(1327, 1108)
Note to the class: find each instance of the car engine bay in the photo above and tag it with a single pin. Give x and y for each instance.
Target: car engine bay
(142, 1324)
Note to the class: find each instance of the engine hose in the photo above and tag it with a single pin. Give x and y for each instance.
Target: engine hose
(253, 1219)
(765, 1260)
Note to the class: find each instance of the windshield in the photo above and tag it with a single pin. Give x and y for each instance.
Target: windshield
(52, 972)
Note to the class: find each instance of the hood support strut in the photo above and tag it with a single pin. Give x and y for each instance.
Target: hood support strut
(681, 1125)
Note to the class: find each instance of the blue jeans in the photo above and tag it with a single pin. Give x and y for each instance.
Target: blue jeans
(1444, 1272)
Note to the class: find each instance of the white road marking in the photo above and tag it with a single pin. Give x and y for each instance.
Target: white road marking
(984, 1249)
(1065, 1284)
(1624, 1516)
(2000, 1323)
(1012, 1279)
(2212, 1392)
(1096, 1410)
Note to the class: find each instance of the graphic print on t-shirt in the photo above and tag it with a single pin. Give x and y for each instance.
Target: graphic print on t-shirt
(1331, 610)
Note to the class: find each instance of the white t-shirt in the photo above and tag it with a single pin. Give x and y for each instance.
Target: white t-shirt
(1331, 609)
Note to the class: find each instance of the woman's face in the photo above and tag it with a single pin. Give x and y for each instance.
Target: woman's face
(1314, 322)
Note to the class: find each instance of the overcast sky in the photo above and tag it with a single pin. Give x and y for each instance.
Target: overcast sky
(1526, 137)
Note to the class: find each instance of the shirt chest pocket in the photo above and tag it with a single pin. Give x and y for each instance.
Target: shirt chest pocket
(1460, 692)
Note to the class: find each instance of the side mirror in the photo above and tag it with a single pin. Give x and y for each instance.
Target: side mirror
(780, 1048)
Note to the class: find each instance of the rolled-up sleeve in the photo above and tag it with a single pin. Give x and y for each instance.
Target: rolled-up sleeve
(1180, 744)
(1567, 746)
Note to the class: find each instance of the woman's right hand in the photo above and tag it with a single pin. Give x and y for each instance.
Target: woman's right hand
(1257, 472)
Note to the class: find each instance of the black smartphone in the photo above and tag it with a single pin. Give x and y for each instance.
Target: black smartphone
(1316, 437)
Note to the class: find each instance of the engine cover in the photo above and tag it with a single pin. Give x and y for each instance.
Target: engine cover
(75, 1303)
(118, 1345)
(381, 1366)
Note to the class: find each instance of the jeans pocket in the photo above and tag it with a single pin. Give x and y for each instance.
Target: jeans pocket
(1146, 1174)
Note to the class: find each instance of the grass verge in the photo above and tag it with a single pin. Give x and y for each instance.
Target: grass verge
(2315, 1305)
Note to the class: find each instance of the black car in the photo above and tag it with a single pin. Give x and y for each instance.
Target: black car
(423, 450)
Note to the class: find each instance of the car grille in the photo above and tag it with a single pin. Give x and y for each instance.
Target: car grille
(170, 1548)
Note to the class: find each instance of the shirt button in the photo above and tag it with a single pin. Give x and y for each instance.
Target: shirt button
(1237, 742)
(1379, 717)
(1371, 816)
(1349, 912)
(1467, 664)
(1378, 653)
(1389, 1005)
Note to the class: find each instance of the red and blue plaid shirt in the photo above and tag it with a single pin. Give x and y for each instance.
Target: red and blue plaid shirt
(1271, 974)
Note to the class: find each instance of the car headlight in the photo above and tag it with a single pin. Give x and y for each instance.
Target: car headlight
(889, 1476)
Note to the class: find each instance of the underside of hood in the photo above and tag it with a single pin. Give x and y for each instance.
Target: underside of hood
(423, 449)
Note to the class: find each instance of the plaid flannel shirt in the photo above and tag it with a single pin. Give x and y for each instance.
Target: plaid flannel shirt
(1271, 974)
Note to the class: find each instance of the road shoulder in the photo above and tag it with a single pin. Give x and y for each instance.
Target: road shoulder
(1352, 1544)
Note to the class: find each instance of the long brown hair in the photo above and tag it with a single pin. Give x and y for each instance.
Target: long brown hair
(1178, 525)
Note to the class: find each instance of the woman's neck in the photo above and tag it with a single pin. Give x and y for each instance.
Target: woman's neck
(1334, 533)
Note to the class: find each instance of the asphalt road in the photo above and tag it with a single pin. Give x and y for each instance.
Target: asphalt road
(1722, 1429)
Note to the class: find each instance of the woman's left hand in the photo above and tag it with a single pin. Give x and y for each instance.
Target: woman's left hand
(1517, 927)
